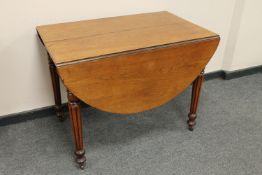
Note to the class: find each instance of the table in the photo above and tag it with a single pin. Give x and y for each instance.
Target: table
(126, 64)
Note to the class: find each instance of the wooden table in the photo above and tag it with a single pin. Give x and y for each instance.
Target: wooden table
(126, 64)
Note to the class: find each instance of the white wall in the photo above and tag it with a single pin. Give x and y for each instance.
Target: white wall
(24, 75)
(248, 48)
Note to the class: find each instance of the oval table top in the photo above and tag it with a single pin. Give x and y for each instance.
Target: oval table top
(130, 63)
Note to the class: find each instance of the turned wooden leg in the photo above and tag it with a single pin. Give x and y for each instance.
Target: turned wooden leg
(76, 120)
(196, 88)
(56, 89)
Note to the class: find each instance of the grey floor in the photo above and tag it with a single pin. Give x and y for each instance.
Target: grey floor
(227, 139)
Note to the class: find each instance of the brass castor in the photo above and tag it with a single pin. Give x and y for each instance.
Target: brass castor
(80, 158)
(191, 121)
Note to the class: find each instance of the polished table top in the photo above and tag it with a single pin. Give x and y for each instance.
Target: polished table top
(128, 64)
(88, 39)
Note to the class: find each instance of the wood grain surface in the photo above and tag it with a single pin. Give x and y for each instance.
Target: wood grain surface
(138, 81)
(69, 42)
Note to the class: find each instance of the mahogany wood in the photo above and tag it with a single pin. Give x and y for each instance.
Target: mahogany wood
(68, 42)
(126, 64)
(56, 89)
(76, 121)
(139, 81)
(196, 89)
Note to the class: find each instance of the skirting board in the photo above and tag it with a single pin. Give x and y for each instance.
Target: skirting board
(49, 111)
(228, 75)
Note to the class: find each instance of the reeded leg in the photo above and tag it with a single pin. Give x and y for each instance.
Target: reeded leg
(56, 89)
(196, 88)
(76, 120)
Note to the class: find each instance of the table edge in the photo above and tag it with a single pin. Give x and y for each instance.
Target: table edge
(174, 44)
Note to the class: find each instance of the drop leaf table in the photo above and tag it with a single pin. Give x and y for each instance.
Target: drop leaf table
(126, 64)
